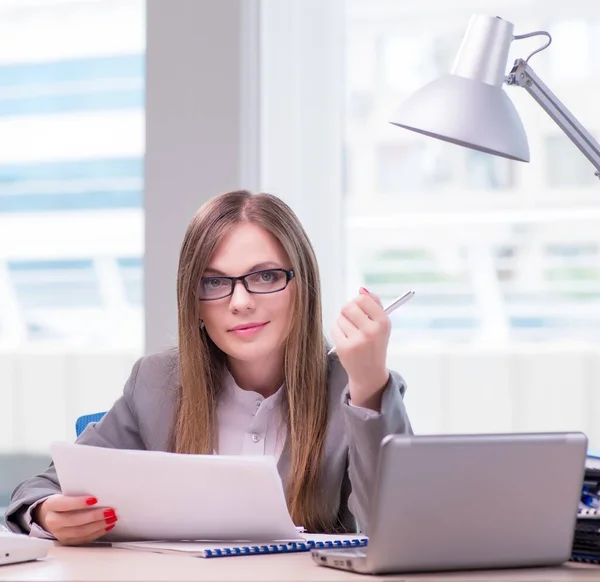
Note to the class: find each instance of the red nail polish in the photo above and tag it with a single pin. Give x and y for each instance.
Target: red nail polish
(91, 501)
(110, 520)
(109, 513)
(109, 527)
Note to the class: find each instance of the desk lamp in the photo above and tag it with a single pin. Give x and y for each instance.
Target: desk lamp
(469, 107)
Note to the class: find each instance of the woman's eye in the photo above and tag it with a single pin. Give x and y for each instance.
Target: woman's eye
(214, 283)
(267, 276)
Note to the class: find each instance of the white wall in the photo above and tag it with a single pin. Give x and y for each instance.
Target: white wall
(200, 122)
(207, 131)
(43, 393)
(523, 388)
(302, 126)
(450, 390)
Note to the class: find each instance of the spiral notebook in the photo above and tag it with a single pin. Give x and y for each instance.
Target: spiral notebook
(218, 550)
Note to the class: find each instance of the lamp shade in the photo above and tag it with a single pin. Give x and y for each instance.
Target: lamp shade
(469, 107)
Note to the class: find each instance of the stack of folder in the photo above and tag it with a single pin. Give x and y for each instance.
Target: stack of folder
(586, 543)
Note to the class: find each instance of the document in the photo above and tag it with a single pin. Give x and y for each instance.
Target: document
(169, 496)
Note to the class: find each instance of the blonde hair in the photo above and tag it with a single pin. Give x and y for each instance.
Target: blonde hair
(202, 363)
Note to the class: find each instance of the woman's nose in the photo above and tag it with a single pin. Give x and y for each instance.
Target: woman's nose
(240, 298)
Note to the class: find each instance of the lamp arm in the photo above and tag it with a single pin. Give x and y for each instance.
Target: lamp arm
(524, 76)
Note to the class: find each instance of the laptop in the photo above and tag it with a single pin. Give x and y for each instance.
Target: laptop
(15, 548)
(458, 502)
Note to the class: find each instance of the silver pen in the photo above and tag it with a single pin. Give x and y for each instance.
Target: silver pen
(390, 308)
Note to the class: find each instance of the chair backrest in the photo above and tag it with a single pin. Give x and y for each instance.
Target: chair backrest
(84, 420)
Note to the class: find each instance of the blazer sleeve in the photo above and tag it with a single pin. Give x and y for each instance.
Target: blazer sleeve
(365, 429)
(118, 428)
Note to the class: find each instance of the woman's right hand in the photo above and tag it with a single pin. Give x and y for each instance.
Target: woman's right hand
(73, 521)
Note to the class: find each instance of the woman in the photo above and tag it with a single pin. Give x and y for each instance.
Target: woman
(251, 376)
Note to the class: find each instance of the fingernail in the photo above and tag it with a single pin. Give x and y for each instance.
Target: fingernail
(111, 519)
(108, 528)
(109, 513)
(91, 501)
(365, 290)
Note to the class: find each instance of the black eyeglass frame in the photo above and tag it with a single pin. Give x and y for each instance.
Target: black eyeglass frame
(289, 275)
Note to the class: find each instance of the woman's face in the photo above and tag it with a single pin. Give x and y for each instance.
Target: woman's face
(247, 326)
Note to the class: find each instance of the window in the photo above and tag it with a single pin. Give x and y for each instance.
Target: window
(504, 327)
(71, 171)
(567, 167)
(575, 60)
(409, 168)
(131, 273)
(71, 215)
(406, 61)
(60, 186)
(503, 265)
(486, 172)
(595, 44)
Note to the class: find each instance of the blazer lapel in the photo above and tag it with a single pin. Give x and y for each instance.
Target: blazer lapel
(284, 463)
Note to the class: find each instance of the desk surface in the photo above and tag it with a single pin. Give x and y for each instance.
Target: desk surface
(104, 563)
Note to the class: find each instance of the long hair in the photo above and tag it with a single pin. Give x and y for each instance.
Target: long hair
(202, 363)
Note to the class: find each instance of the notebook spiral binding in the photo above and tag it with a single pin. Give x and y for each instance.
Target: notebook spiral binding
(589, 513)
(287, 547)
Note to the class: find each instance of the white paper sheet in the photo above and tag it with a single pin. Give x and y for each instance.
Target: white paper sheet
(167, 496)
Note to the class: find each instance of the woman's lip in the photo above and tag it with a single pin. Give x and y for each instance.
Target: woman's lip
(249, 327)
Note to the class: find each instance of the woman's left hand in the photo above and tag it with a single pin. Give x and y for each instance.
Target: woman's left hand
(361, 334)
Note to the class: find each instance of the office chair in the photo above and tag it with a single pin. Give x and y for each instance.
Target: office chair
(84, 420)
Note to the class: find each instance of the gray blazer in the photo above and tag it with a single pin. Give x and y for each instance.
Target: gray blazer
(141, 419)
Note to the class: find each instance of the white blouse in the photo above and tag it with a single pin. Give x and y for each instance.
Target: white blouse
(248, 423)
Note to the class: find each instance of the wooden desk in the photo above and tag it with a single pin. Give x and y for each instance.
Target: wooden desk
(105, 563)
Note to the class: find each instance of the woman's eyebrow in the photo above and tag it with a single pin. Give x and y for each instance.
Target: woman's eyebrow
(266, 265)
(213, 271)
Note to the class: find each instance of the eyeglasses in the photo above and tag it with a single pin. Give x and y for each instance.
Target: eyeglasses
(259, 282)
